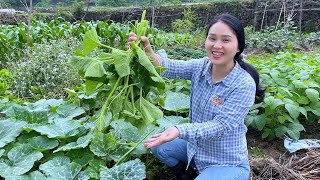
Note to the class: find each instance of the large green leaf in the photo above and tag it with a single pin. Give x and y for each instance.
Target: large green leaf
(70, 111)
(81, 156)
(299, 84)
(90, 41)
(94, 168)
(21, 159)
(125, 131)
(169, 121)
(148, 111)
(68, 171)
(131, 170)
(260, 121)
(176, 101)
(59, 129)
(273, 102)
(293, 110)
(9, 130)
(121, 62)
(82, 142)
(31, 115)
(42, 143)
(145, 62)
(103, 144)
(312, 94)
(89, 67)
(56, 161)
(35, 175)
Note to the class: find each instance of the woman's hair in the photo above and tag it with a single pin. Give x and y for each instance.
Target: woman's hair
(237, 27)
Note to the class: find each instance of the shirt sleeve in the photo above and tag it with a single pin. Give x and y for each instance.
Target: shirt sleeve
(230, 115)
(179, 69)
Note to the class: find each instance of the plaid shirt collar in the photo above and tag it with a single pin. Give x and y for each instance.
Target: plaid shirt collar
(228, 80)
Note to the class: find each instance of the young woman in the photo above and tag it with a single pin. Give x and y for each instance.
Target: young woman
(224, 88)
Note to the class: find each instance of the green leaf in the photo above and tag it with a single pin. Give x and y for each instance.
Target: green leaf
(42, 143)
(21, 159)
(169, 121)
(31, 115)
(81, 156)
(273, 102)
(70, 111)
(55, 162)
(68, 171)
(121, 62)
(82, 142)
(35, 175)
(177, 102)
(9, 130)
(299, 84)
(303, 111)
(148, 111)
(89, 67)
(294, 134)
(280, 131)
(266, 132)
(59, 129)
(91, 86)
(303, 100)
(260, 121)
(312, 94)
(103, 144)
(125, 131)
(94, 168)
(90, 41)
(134, 170)
(145, 62)
(293, 110)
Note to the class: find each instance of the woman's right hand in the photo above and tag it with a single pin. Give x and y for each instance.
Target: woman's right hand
(147, 48)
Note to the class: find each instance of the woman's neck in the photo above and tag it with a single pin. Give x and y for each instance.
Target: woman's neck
(218, 73)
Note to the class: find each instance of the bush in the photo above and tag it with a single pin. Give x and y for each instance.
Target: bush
(47, 72)
(186, 24)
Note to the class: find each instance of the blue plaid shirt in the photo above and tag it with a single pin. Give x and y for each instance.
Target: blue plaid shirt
(216, 133)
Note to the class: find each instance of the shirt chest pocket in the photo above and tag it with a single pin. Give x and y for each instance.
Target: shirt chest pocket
(213, 107)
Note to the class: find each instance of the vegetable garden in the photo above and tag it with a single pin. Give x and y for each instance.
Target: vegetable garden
(78, 104)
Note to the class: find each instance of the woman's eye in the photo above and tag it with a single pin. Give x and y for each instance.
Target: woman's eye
(226, 40)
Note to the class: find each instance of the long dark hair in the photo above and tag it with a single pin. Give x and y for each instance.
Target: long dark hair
(237, 27)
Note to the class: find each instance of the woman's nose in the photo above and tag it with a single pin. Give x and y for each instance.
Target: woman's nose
(217, 44)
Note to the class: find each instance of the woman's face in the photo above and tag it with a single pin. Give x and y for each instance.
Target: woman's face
(221, 44)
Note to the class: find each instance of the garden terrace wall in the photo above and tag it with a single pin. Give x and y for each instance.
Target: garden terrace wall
(249, 13)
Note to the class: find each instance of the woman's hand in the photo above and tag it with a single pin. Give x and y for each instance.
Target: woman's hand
(166, 136)
(147, 48)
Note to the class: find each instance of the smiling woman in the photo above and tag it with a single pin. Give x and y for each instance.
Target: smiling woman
(224, 88)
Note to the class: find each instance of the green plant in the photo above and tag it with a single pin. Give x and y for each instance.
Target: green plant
(46, 72)
(186, 24)
(292, 97)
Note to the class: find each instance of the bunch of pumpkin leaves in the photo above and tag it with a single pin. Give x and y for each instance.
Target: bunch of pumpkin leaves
(129, 75)
(53, 139)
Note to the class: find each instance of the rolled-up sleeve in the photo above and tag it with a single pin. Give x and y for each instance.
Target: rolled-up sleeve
(178, 69)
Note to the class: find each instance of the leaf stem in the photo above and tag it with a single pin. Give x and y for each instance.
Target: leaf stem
(101, 120)
(133, 148)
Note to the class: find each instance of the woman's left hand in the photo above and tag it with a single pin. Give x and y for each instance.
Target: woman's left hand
(166, 136)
